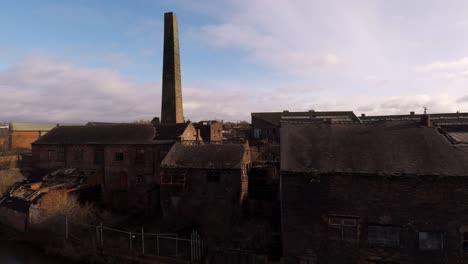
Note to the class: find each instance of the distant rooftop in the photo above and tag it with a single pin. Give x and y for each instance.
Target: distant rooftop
(37, 126)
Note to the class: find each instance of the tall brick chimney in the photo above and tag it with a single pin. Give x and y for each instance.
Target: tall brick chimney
(171, 105)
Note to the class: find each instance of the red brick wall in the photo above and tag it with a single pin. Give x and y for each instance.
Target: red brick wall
(416, 204)
(135, 193)
(23, 139)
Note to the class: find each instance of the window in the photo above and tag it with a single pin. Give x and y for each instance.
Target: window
(139, 179)
(343, 227)
(465, 243)
(61, 154)
(140, 156)
(98, 156)
(387, 236)
(51, 154)
(119, 156)
(431, 240)
(78, 155)
(212, 176)
(257, 133)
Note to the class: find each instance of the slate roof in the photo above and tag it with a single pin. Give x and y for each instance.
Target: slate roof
(209, 156)
(386, 147)
(275, 118)
(108, 134)
(170, 131)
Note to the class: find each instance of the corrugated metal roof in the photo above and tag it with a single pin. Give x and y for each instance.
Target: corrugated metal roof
(37, 126)
(459, 137)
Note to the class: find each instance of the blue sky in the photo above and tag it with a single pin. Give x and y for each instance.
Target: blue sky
(76, 61)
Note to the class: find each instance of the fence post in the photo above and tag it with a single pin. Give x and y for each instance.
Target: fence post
(191, 247)
(157, 244)
(102, 236)
(98, 239)
(142, 241)
(177, 246)
(130, 240)
(66, 228)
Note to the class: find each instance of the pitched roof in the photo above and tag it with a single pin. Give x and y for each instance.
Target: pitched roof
(170, 131)
(386, 147)
(208, 156)
(108, 134)
(37, 126)
(274, 118)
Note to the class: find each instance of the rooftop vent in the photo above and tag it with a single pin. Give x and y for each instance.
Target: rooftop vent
(411, 113)
(363, 115)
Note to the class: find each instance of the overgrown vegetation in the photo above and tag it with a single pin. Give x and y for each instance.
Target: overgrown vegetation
(7, 179)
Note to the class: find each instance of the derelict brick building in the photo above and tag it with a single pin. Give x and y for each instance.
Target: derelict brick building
(205, 186)
(378, 192)
(128, 156)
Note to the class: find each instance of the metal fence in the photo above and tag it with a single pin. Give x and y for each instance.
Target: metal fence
(127, 242)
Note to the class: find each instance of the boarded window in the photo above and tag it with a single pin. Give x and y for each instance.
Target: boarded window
(98, 156)
(343, 228)
(431, 241)
(380, 235)
(140, 156)
(212, 176)
(119, 156)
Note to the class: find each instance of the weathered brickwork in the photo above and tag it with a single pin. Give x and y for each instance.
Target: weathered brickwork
(407, 208)
(23, 139)
(129, 171)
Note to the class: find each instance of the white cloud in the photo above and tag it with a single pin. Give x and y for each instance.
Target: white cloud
(443, 66)
(46, 89)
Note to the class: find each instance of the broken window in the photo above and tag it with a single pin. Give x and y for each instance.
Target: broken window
(343, 227)
(139, 179)
(119, 156)
(140, 156)
(257, 132)
(381, 235)
(212, 176)
(98, 156)
(431, 240)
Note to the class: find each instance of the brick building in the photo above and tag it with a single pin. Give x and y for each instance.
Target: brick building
(204, 186)
(266, 125)
(210, 131)
(127, 155)
(373, 192)
(21, 135)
